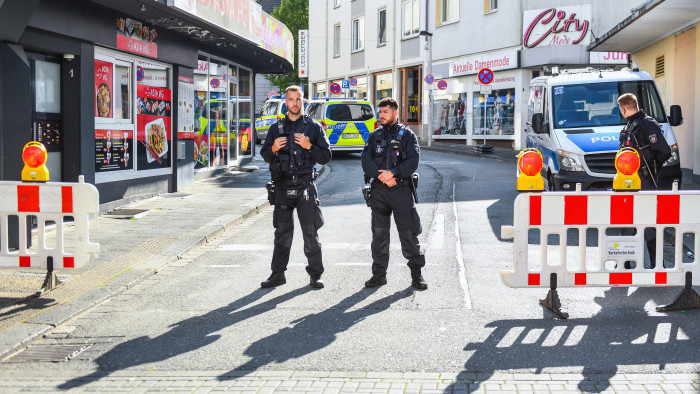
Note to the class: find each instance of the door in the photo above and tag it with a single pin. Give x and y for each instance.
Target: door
(46, 110)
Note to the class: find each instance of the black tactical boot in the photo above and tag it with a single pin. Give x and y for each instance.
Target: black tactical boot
(376, 280)
(417, 280)
(317, 282)
(276, 279)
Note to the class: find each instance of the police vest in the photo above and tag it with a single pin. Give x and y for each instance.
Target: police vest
(389, 150)
(293, 158)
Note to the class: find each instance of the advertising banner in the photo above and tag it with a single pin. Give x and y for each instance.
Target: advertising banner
(104, 75)
(153, 127)
(303, 53)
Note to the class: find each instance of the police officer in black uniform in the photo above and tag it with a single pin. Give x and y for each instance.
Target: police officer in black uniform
(643, 133)
(293, 147)
(390, 159)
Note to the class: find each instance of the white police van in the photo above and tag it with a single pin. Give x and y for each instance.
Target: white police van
(574, 121)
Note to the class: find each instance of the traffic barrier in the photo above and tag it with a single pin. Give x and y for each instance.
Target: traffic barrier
(48, 202)
(611, 215)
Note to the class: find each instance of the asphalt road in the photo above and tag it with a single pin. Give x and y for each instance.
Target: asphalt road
(207, 312)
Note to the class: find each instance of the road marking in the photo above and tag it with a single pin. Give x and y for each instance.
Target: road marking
(460, 259)
(437, 233)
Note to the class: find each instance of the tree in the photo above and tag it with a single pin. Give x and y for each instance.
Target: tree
(295, 15)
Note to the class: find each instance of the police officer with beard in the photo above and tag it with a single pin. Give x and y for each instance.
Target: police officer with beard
(390, 159)
(293, 147)
(643, 133)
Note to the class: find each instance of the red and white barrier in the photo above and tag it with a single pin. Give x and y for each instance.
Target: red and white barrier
(48, 202)
(557, 212)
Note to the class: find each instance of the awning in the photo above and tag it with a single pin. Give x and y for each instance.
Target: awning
(209, 34)
(649, 23)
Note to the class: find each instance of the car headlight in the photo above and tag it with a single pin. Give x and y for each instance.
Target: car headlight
(675, 157)
(569, 161)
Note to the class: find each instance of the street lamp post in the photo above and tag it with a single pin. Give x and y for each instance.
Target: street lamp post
(429, 42)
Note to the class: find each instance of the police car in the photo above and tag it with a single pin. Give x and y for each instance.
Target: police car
(348, 122)
(574, 120)
(273, 109)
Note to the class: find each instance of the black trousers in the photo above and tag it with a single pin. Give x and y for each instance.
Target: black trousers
(399, 201)
(308, 209)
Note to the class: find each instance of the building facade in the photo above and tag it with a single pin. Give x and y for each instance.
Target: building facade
(386, 46)
(140, 97)
(663, 38)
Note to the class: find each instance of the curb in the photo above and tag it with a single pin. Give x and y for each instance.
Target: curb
(471, 152)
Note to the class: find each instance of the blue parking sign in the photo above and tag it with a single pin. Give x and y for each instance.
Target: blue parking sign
(345, 84)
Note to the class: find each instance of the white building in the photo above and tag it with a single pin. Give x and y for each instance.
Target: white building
(385, 44)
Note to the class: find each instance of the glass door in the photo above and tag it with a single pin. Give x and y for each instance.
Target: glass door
(46, 110)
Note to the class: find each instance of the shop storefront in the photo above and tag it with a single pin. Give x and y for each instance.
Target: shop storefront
(138, 98)
(463, 112)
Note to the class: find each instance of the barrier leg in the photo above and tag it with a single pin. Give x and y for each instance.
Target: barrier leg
(552, 302)
(688, 299)
(50, 282)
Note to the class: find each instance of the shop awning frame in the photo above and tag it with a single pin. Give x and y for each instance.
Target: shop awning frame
(649, 23)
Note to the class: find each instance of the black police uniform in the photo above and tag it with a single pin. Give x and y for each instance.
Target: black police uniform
(297, 189)
(393, 148)
(643, 133)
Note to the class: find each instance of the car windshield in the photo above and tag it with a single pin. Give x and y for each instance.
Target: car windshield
(349, 112)
(595, 104)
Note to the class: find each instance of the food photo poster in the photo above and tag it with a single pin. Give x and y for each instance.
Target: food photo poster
(153, 127)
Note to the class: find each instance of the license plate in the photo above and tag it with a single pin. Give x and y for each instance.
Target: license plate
(346, 135)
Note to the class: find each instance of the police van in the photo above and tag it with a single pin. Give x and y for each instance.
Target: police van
(273, 109)
(574, 121)
(348, 122)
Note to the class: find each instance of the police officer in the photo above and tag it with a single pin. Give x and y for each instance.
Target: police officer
(389, 159)
(643, 133)
(293, 147)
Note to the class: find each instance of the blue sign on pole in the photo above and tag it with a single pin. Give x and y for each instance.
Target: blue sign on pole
(345, 84)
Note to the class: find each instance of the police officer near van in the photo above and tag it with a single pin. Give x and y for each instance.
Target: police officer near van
(389, 160)
(293, 146)
(643, 133)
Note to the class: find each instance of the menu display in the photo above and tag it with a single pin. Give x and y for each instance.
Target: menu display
(185, 108)
(153, 127)
(113, 150)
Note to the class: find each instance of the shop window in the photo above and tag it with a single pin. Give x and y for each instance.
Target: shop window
(320, 90)
(336, 40)
(447, 11)
(411, 18)
(381, 27)
(358, 34)
(122, 102)
(383, 86)
(490, 6)
(411, 95)
(360, 90)
(153, 118)
(245, 113)
(450, 115)
(494, 114)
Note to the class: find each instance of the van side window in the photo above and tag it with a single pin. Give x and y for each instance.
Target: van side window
(315, 111)
(534, 102)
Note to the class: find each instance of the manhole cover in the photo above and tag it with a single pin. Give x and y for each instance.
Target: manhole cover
(47, 353)
(177, 195)
(127, 213)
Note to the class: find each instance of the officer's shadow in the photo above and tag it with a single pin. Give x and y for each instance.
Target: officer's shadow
(183, 337)
(315, 331)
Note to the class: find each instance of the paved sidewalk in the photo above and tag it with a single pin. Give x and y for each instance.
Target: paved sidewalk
(352, 382)
(131, 249)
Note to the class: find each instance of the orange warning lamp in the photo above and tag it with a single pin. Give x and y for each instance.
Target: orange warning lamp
(530, 165)
(34, 156)
(627, 165)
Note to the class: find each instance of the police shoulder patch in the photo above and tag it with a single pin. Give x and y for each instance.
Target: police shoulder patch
(652, 138)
